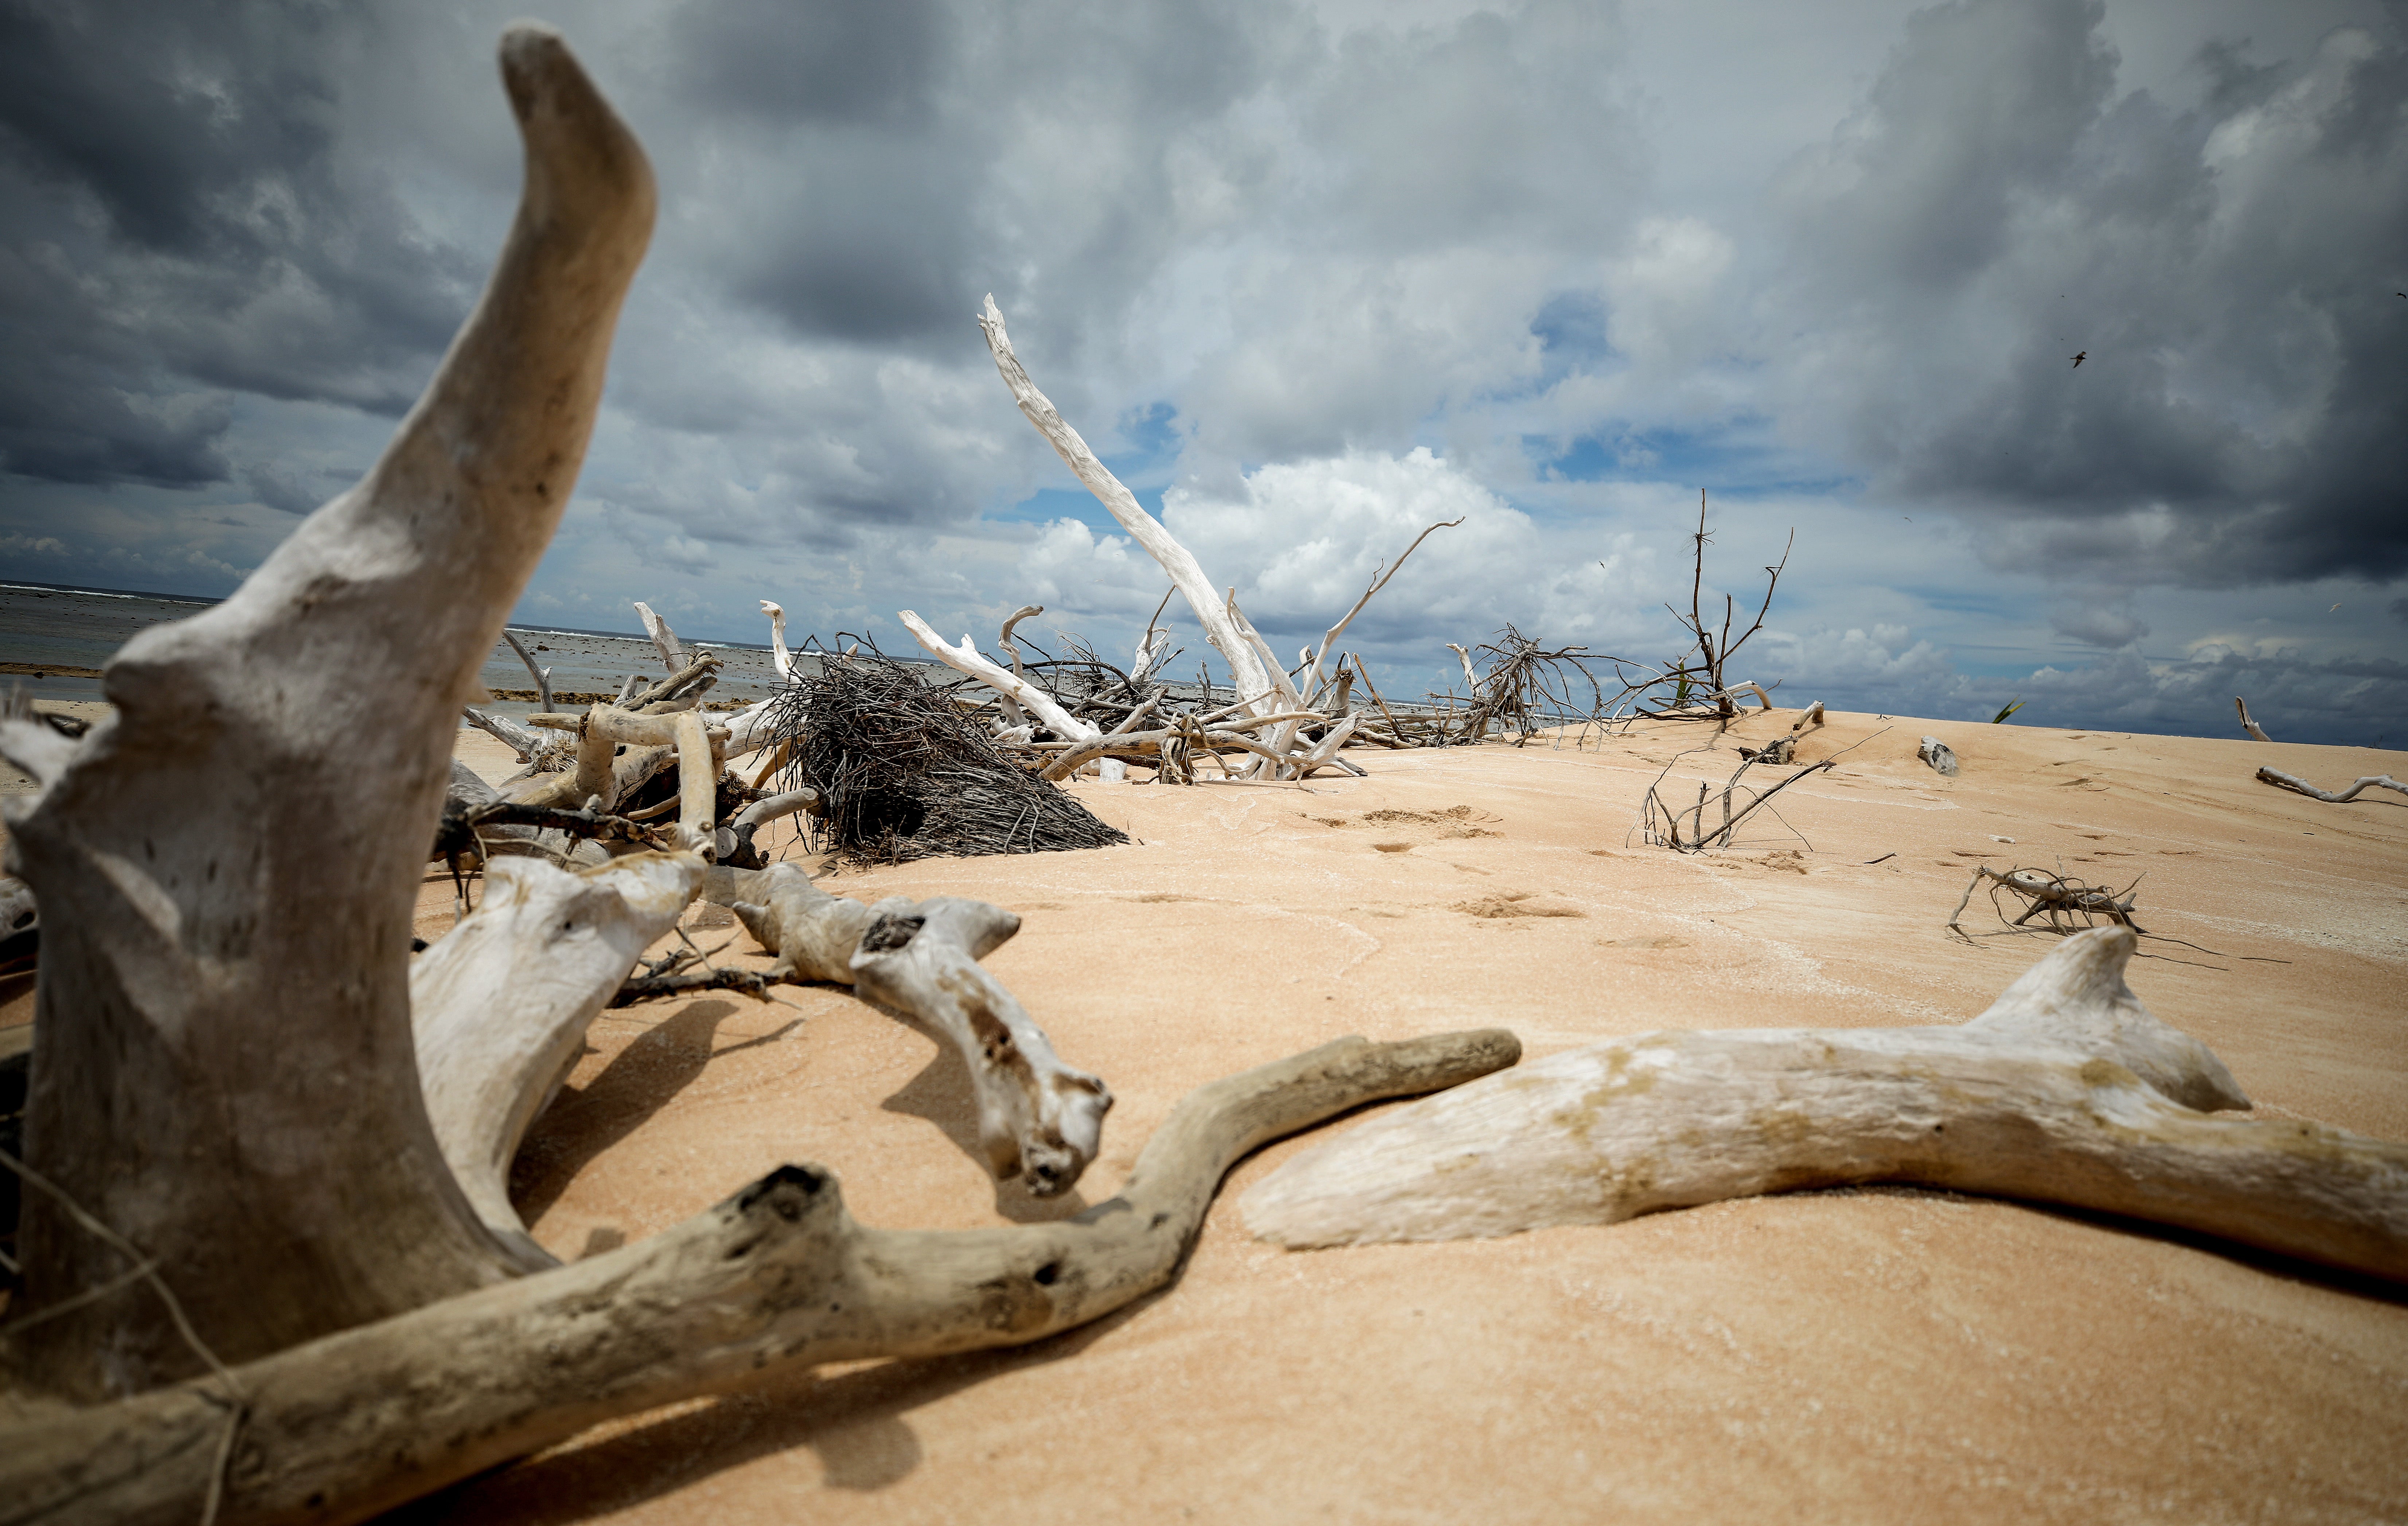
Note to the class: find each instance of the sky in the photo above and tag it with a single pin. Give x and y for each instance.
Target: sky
(1309, 277)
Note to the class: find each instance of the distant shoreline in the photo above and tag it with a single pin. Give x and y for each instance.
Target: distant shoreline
(200, 601)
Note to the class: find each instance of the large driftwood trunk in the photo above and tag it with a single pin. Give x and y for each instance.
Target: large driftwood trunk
(225, 1069)
(2067, 1090)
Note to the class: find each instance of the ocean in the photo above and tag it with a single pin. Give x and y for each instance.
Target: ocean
(55, 640)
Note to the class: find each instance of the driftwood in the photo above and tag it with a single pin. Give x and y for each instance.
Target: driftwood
(664, 639)
(2066, 1090)
(223, 1070)
(779, 655)
(2247, 724)
(542, 676)
(1783, 749)
(2065, 904)
(779, 1275)
(604, 776)
(2299, 785)
(1659, 823)
(1038, 1118)
(1255, 671)
(500, 1005)
(1935, 752)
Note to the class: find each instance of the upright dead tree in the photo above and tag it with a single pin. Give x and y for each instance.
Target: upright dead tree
(1699, 678)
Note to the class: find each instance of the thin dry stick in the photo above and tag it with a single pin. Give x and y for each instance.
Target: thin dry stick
(145, 1269)
(1309, 689)
(1723, 838)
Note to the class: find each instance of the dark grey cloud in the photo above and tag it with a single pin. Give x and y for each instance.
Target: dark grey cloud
(879, 158)
(181, 226)
(2229, 271)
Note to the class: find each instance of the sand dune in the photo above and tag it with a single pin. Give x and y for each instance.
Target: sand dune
(1881, 1354)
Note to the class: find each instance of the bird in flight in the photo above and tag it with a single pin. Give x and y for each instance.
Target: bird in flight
(2079, 358)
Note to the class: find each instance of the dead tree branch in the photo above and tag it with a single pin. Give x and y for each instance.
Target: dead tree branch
(2300, 786)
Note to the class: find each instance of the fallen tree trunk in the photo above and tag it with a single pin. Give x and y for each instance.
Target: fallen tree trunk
(779, 1275)
(2067, 1090)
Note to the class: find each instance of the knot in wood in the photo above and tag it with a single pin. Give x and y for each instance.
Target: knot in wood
(890, 932)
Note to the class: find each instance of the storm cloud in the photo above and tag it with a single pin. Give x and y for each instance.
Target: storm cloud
(2229, 271)
(1305, 273)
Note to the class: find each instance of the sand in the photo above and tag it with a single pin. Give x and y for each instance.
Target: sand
(1885, 1354)
(1882, 1354)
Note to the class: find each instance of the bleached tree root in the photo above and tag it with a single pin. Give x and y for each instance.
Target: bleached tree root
(2294, 782)
(2066, 1091)
(500, 1005)
(779, 1275)
(222, 1073)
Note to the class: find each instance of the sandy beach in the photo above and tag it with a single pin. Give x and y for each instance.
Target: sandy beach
(1890, 1354)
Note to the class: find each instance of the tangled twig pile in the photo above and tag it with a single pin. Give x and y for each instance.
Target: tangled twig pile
(903, 773)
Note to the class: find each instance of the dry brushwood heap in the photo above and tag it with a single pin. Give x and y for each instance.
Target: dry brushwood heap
(270, 1268)
(901, 773)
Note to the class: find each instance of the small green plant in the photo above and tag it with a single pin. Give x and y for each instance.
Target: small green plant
(2010, 709)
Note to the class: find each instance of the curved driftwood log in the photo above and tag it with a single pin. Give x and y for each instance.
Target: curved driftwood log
(223, 1073)
(500, 1005)
(778, 1275)
(812, 933)
(778, 654)
(2066, 1091)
